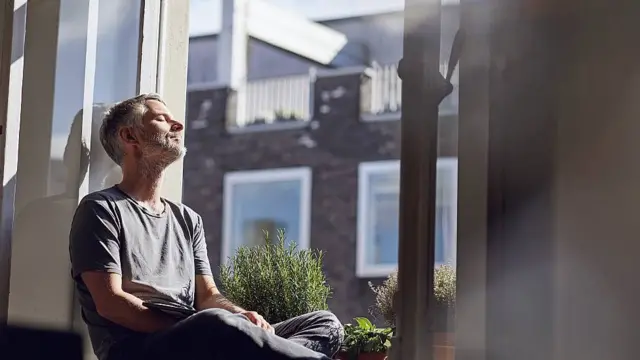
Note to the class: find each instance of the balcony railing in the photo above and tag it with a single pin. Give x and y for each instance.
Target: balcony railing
(286, 102)
(283, 100)
(386, 92)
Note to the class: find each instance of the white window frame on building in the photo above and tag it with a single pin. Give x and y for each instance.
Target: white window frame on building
(44, 297)
(301, 174)
(446, 195)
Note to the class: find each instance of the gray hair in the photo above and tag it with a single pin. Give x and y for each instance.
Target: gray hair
(125, 113)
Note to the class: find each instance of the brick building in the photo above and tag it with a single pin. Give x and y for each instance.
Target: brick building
(314, 150)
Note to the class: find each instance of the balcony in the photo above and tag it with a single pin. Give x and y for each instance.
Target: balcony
(286, 102)
(276, 103)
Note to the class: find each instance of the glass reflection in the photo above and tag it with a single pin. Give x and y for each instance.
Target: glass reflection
(446, 196)
(73, 156)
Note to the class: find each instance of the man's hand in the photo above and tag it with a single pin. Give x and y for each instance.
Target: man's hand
(257, 319)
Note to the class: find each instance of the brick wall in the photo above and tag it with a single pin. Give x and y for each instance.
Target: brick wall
(342, 141)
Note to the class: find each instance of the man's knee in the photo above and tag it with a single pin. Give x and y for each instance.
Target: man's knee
(330, 323)
(329, 327)
(326, 317)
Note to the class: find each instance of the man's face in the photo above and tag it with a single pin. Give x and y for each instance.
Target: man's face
(160, 135)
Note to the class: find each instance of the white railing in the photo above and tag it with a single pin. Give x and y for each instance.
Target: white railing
(277, 100)
(386, 91)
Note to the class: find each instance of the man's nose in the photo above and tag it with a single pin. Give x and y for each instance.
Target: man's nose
(177, 126)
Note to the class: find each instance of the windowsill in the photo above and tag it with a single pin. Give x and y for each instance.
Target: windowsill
(390, 116)
(276, 126)
(375, 271)
(397, 115)
(383, 271)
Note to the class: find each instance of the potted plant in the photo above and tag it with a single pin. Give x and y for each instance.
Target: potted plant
(443, 311)
(286, 116)
(364, 341)
(444, 288)
(276, 280)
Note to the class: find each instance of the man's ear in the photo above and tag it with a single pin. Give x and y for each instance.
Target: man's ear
(127, 136)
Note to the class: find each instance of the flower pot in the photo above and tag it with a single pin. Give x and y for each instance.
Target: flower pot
(444, 346)
(362, 356)
(372, 356)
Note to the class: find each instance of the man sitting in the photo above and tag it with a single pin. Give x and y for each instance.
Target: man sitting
(140, 263)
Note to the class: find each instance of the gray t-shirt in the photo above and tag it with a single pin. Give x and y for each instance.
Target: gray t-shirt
(158, 255)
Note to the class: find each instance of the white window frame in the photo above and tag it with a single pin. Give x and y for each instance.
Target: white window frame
(302, 174)
(364, 228)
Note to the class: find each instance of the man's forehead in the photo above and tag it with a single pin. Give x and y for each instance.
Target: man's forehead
(157, 108)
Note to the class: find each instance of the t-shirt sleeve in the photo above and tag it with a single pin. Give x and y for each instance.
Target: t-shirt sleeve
(93, 240)
(201, 259)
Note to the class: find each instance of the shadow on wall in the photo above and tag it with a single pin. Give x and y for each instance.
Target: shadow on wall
(65, 177)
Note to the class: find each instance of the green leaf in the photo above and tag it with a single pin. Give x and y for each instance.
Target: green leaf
(365, 337)
(364, 323)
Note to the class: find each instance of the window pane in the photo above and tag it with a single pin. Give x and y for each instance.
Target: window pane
(447, 193)
(54, 160)
(115, 78)
(382, 212)
(261, 207)
(383, 249)
(385, 222)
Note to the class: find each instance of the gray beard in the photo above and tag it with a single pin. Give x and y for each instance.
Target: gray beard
(157, 155)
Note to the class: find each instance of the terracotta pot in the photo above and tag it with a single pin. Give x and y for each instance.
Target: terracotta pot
(362, 356)
(372, 356)
(444, 346)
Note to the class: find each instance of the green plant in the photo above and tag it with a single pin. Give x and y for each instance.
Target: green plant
(285, 115)
(385, 294)
(276, 280)
(444, 288)
(364, 337)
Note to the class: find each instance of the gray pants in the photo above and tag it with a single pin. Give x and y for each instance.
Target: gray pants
(220, 335)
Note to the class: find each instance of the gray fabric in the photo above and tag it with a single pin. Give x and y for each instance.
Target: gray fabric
(220, 335)
(158, 255)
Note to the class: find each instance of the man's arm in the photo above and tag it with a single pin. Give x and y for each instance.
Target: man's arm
(94, 247)
(121, 307)
(207, 294)
(209, 297)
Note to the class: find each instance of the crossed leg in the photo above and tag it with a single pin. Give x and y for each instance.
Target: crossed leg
(220, 335)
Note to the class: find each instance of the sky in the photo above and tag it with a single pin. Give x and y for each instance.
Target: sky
(205, 14)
